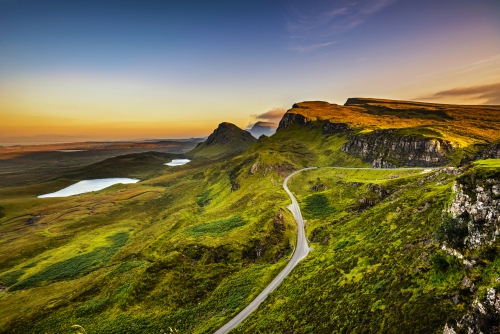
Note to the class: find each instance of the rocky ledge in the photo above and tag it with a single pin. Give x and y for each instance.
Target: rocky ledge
(388, 149)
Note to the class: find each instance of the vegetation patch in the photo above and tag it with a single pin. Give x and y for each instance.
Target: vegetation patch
(317, 205)
(452, 231)
(11, 277)
(75, 266)
(92, 306)
(218, 227)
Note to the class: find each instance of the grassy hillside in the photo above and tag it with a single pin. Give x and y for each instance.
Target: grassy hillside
(179, 249)
(376, 266)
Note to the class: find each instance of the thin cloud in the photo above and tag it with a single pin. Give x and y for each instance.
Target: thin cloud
(309, 23)
(490, 93)
(274, 115)
(309, 48)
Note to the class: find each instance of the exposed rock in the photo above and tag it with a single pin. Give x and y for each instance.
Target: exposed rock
(330, 128)
(448, 330)
(317, 186)
(383, 148)
(483, 318)
(254, 168)
(481, 210)
(491, 152)
(290, 119)
(263, 128)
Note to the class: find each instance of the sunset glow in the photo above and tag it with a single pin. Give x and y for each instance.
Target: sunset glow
(110, 70)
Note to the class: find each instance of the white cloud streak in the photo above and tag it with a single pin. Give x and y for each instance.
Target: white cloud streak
(312, 25)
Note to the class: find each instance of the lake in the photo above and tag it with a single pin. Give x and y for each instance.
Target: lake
(177, 162)
(87, 186)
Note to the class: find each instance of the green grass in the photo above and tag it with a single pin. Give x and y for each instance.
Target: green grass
(490, 163)
(317, 206)
(75, 266)
(368, 269)
(217, 228)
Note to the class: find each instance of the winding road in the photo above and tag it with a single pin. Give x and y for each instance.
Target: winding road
(301, 250)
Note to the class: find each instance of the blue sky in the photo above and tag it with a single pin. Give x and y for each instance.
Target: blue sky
(129, 69)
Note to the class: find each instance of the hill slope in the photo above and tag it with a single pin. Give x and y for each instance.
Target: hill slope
(227, 138)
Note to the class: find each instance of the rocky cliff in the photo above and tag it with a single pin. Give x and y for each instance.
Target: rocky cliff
(476, 206)
(491, 152)
(478, 203)
(389, 149)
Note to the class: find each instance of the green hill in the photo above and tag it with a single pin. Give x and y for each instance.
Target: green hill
(226, 139)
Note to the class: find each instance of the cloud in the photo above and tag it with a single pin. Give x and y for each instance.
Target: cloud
(308, 48)
(490, 93)
(311, 24)
(274, 115)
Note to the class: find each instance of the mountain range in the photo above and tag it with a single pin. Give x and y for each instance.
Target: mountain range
(401, 211)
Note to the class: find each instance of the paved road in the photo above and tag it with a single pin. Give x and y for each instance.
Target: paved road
(301, 251)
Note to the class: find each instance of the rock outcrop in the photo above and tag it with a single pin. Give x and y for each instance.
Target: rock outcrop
(290, 119)
(483, 318)
(389, 149)
(491, 152)
(479, 204)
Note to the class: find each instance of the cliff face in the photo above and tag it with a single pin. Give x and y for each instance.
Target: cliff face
(476, 203)
(492, 152)
(388, 149)
(479, 204)
(290, 119)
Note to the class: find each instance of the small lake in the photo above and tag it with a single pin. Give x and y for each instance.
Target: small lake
(178, 162)
(87, 186)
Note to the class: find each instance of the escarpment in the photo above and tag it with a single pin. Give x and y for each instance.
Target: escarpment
(388, 149)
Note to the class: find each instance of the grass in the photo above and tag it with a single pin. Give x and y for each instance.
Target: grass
(490, 163)
(317, 206)
(133, 258)
(75, 266)
(217, 228)
(365, 263)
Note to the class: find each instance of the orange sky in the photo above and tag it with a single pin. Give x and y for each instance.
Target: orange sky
(62, 76)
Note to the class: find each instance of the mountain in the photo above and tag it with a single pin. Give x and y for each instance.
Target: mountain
(227, 138)
(263, 128)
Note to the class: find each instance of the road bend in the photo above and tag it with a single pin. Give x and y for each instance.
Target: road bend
(301, 251)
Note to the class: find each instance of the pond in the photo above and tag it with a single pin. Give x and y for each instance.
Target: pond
(87, 186)
(177, 162)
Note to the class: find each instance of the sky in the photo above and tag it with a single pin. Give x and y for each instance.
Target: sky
(127, 69)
